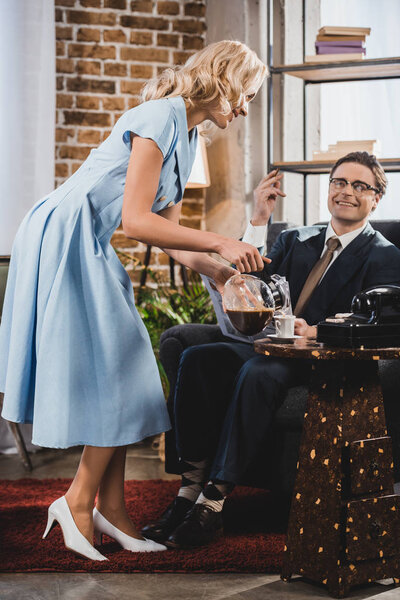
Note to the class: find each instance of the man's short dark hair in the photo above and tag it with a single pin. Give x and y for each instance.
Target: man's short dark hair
(368, 160)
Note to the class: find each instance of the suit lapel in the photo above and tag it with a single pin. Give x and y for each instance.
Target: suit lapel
(305, 255)
(344, 267)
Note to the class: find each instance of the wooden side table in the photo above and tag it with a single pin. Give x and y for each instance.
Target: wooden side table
(344, 523)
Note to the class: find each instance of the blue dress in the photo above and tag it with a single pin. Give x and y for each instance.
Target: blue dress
(75, 357)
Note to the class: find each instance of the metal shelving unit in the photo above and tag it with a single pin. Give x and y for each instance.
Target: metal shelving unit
(320, 73)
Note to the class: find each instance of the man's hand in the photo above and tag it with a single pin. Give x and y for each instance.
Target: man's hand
(301, 327)
(265, 196)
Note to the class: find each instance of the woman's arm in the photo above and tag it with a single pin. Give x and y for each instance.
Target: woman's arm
(140, 223)
(198, 261)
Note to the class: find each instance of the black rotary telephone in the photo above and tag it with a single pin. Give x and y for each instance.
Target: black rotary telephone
(373, 323)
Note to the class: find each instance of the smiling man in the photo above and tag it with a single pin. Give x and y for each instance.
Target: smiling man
(226, 395)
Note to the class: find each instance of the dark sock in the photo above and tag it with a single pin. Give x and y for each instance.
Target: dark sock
(214, 494)
(193, 479)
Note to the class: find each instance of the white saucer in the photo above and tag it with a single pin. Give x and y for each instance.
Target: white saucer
(283, 340)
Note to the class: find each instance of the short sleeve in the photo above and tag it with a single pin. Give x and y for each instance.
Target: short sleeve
(153, 120)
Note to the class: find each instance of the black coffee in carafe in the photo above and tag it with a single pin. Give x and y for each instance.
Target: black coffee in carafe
(250, 321)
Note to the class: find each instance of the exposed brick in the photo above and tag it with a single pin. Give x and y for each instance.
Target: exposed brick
(90, 3)
(85, 17)
(58, 15)
(89, 136)
(131, 87)
(60, 48)
(105, 134)
(189, 26)
(168, 8)
(192, 209)
(87, 119)
(133, 101)
(119, 240)
(114, 35)
(195, 9)
(64, 100)
(61, 170)
(113, 103)
(78, 84)
(115, 69)
(75, 167)
(89, 102)
(91, 51)
(192, 42)
(168, 39)
(63, 33)
(88, 67)
(65, 65)
(181, 57)
(64, 2)
(193, 223)
(116, 116)
(142, 6)
(59, 83)
(145, 54)
(163, 259)
(141, 71)
(62, 134)
(79, 152)
(86, 34)
(144, 22)
(119, 4)
(141, 38)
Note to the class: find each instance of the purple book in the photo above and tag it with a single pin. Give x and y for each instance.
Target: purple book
(341, 44)
(341, 50)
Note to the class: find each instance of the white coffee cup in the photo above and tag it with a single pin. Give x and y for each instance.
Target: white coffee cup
(284, 325)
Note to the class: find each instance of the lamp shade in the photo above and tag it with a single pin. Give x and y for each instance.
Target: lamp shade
(200, 175)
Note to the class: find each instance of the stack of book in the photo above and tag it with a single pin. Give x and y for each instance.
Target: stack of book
(342, 148)
(339, 43)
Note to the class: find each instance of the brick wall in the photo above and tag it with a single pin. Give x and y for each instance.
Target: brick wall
(106, 50)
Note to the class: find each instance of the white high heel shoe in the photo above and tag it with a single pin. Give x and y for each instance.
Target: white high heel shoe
(73, 539)
(102, 526)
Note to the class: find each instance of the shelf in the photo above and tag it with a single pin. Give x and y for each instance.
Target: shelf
(355, 70)
(310, 167)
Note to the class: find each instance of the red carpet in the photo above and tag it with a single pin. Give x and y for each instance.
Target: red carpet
(253, 540)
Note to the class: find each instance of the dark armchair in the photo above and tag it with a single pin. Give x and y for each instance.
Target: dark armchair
(279, 458)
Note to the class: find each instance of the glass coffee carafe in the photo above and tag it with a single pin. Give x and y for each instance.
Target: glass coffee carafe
(249, 303)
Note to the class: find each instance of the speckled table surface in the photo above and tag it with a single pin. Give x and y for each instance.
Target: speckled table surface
(308, 348)
(345, 517)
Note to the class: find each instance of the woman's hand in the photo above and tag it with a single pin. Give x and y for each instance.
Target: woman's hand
(265, 195)
(301, 327)
(245, 257)
(222, 276)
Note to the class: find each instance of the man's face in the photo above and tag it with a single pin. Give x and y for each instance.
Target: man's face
(347, 206)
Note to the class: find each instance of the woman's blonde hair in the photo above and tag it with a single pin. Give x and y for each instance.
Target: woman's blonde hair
(225, 70)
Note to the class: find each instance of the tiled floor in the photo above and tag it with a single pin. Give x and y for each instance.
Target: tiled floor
(143, 463)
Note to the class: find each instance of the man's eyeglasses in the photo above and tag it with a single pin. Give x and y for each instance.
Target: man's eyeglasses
(359, 187)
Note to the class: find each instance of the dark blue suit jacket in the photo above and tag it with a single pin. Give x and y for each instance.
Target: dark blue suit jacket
(370, 259)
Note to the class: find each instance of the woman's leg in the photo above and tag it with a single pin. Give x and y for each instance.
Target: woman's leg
(111, 498)
(83, 489)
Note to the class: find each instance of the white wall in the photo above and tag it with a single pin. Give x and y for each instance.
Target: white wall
(27, 110)
(367, 109)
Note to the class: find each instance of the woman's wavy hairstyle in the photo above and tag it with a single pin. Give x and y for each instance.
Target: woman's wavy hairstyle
(225, 70)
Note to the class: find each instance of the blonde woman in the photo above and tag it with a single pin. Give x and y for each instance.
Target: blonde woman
(75, 357)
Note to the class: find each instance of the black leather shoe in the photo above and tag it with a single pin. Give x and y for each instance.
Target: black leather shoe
(169, 520)
(201, 526)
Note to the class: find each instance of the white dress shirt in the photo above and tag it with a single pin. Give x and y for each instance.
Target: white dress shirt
(255, 235)
(344, 239)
